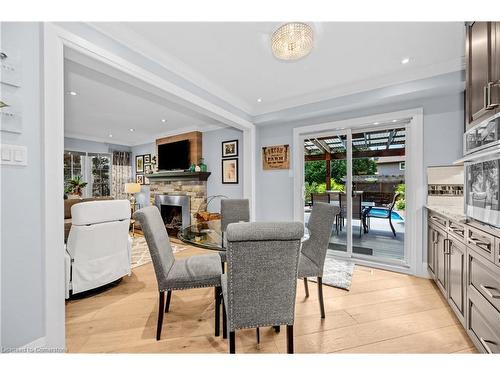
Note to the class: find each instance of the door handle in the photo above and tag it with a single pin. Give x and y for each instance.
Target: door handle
(485, 343)
(486, 289)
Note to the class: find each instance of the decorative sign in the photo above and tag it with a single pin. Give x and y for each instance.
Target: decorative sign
(276, 157)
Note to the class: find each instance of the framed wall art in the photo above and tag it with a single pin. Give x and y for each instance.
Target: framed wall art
(230, 171)
(230, 148)
(139, 164)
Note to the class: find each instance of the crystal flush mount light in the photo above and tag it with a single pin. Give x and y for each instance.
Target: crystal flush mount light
(292, 41)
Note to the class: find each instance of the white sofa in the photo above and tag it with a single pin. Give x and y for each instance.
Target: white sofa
(99, 248)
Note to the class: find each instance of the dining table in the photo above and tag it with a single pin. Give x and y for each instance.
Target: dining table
(208, 235)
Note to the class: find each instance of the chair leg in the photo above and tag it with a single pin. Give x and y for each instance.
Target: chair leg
(392, 227)
(276, 329)
(320, 294)
(217, 292)
(289, 339)
(224, 321)
(222, 265)
(167, 305)
(160, 315)
(306, 287)
(232, 344)
(258, 335)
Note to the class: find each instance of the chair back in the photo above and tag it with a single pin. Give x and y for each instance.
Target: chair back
(320, 197)
(394, 199)
(233, 211)
(357, 206)
(320, 228)
(158, 242)
(98, 242)
(262, 261)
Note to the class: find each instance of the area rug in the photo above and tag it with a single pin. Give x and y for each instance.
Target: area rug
(140, 251)
(337, 272)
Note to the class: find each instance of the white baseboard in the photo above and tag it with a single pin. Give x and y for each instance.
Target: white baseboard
(38, 343)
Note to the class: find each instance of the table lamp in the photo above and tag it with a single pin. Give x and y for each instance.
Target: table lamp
(132, 188)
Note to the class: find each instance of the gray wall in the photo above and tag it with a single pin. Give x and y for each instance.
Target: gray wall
(212, 154)
(443, 130)
(22, 254)
(82, 145)
(212, 157)
(389, 169)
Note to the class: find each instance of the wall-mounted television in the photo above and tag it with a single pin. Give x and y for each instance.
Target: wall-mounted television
(174, 156)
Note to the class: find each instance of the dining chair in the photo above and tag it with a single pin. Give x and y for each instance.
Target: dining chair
(313, 252)
(199, 271)
(384, 212)
(260, 284)
(232, 211)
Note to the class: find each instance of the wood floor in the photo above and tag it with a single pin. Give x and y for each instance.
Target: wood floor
(384, 312)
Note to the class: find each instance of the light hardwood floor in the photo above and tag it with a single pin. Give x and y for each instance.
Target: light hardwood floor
(384, 312)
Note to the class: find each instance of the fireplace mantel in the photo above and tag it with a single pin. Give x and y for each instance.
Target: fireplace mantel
(179, 176)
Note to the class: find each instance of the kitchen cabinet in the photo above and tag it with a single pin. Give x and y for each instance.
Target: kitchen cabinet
(441, 260)
(431, 250)
(456, 276)
(482, 52)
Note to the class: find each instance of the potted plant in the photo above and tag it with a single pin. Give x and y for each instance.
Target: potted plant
(74, 187)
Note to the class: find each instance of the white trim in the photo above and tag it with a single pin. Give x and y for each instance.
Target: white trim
(414, 175)
(55, 40)
(40, 342)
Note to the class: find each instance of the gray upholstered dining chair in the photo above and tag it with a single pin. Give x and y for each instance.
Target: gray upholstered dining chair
(313, 252)
(232, 211)
(260, 285)
(198, 271)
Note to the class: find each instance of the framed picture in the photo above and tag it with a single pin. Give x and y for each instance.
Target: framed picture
(147, 159)
(139, 179)
(230, 148)
(146, 180)
(230, 171)
(148, 169)
(139, 164)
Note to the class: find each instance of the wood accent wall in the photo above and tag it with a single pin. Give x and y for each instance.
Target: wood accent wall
(195, 144)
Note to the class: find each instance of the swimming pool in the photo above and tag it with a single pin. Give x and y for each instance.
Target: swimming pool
(382, 212)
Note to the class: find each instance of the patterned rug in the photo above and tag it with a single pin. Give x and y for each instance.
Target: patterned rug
(337, 272)
(140, 251)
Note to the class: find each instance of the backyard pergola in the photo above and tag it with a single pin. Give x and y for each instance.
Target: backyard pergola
(370, 144)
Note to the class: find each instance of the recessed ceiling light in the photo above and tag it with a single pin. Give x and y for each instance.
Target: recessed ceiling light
(376, 123)
(259, 100)
(110, 136)
(394, 120)
(405, 60)
(132, 129)
(163, 120)
(72, 93)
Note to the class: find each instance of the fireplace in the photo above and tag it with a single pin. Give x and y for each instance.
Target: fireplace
(175, 211)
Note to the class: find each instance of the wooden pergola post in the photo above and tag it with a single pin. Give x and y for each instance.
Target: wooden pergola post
(328, 158)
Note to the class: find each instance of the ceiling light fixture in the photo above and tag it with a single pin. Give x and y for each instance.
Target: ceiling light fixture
(132, 129)
(405, 60)
(110, 136)
(292, 41)
(72, 93)
(394, 120)
(259, 100)
(376, 123)
(163, 120)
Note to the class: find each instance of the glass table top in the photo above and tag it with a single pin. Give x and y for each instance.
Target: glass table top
(208, 235)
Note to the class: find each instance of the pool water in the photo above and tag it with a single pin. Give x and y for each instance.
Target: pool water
(382, 212)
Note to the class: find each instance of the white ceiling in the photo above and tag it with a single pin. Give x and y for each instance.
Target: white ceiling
(234, 62)
(107, 105)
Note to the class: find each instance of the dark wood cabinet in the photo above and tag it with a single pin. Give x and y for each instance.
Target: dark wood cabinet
(482, 71)
(441, 260)
(456, 276)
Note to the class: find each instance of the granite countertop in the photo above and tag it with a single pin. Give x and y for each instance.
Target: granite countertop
(454, 213)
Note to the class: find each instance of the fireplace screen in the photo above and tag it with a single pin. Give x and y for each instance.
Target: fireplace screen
(175, 211)
(172, 217)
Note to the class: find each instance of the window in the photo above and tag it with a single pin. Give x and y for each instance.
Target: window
(95, 169)
(402, 166)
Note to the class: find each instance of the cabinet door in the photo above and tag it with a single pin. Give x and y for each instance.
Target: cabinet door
(456, 276)
(440, 260)
(495, 66)
(431, 249)
(478, 52)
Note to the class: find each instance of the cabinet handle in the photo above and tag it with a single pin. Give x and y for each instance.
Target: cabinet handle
(486, 289)
(479, 243)
(447, 248)
(489, 105)
(485, 344)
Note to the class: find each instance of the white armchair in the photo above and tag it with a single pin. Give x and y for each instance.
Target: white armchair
(99, 248)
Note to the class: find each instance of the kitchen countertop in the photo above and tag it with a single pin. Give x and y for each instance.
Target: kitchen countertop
(451, 212)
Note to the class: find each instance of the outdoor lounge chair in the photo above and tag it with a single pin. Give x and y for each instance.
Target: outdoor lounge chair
(387, 213)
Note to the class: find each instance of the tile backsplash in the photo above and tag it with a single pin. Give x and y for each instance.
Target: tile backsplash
(454, 190)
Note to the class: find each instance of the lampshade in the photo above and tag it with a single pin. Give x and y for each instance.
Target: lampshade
(132, 188)
(292, 41)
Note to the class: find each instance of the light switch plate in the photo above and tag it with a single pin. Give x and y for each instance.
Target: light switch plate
(14, 155)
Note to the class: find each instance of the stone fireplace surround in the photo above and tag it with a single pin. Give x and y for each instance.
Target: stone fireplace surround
(195, 190)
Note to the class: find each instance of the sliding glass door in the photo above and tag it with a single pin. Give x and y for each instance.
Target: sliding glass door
(362, 172)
